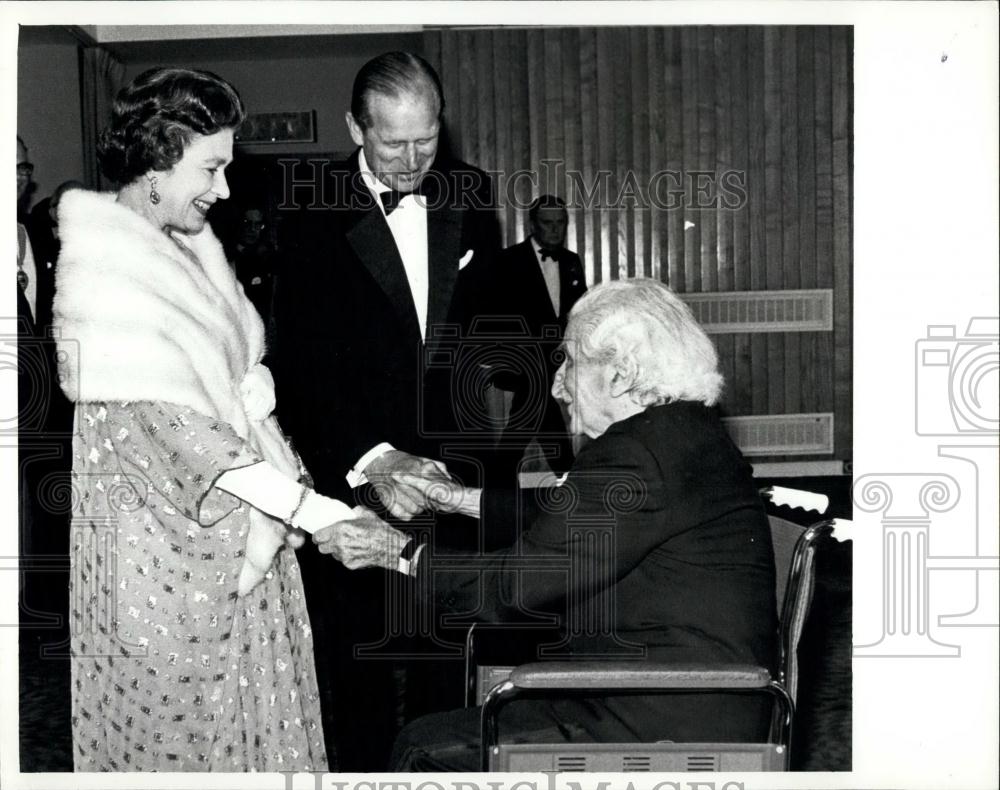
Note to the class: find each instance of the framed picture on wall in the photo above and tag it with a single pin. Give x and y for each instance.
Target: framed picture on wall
(278, 127)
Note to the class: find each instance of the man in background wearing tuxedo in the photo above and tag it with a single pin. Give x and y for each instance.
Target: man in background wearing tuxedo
(387, 269)
(533, 286)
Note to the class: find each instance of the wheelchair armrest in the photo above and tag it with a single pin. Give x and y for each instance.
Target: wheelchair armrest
(622, 675)
(604, 676)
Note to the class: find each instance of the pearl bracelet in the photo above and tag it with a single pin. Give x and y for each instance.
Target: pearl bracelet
(295, 511)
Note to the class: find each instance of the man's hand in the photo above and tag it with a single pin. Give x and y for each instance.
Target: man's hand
(403, 499)
(445, 495)
(364, 541)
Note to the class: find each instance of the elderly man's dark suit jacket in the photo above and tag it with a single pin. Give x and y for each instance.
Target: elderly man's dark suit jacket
(680, 551)
(352, 368)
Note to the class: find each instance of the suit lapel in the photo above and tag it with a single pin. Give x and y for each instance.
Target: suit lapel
(444, 226)
(372, 242)
(568, 291)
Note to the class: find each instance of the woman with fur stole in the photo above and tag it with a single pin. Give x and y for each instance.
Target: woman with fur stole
(191, 642)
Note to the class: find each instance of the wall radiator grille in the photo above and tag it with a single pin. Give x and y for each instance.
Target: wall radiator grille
(783, 434)
(763, 311)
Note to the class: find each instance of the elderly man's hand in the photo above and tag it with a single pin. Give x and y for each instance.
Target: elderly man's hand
(445, 495)
(362, 542)
(402, 499)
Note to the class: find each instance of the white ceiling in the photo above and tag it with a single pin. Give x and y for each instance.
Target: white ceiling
(110, 34)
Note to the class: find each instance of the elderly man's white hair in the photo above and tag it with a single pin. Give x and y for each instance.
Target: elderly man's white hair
(644, 330)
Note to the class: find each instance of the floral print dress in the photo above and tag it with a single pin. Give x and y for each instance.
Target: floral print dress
(172, 670)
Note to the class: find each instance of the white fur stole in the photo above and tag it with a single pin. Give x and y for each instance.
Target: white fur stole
(155, 324)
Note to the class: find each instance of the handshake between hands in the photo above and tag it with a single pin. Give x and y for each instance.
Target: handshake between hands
(406, 485)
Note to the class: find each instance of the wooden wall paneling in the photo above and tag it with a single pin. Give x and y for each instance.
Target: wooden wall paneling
(722, 54)
(841, 50)
(740, 399)
(656, 109)
(689, 158)
(640, 166)
(806, 101)
(606, 149)
(503, 119)
(706, 231)
(673, 101)
(482, 42)
(536, 109)
(572, 152)
(553, 138)
(469, 100)
(588, 125)
(450, 73)
(602, 109)
(516, 55)
(757, 192)
(824, 201)
(790, 196)
(623, 237)
(773, 212)
(553, 133)
(432, 50)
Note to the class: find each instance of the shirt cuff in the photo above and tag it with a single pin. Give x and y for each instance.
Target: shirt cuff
(356, 476)
(408, 567)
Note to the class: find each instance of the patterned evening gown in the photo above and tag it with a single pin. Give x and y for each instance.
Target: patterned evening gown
(172, 670)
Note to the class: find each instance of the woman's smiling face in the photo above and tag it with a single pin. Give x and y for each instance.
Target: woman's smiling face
(188, 190)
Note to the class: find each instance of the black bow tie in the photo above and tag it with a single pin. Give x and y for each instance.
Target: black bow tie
(548, 255)
(393, 197)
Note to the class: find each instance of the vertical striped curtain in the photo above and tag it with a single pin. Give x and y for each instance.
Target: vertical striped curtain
(101, 76)
(712, 158)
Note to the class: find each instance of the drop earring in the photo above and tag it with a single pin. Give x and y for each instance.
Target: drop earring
(154, 196)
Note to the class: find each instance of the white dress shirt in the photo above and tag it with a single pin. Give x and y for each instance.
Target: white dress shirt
(550, 271)
(408, 225)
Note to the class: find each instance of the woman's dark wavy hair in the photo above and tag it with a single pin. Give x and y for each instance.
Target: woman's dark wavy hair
(155, 116)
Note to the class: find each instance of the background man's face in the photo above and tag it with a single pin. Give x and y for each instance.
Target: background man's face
(549, 227)
(252, 227)
(402, 140)
(23, 173)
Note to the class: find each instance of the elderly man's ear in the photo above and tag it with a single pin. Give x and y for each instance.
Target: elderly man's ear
(625, 375)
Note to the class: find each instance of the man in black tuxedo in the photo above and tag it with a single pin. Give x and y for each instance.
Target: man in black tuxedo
(655, 547)
(364, 375)
(45, 423)
(536, 283)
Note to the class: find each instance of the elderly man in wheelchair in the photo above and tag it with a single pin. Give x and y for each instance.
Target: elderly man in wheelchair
(654, 550)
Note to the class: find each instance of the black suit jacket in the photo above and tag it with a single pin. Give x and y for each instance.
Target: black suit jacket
(518, 287)
(352, 369)
(656, 547)
(680, 548)
(515, 288)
